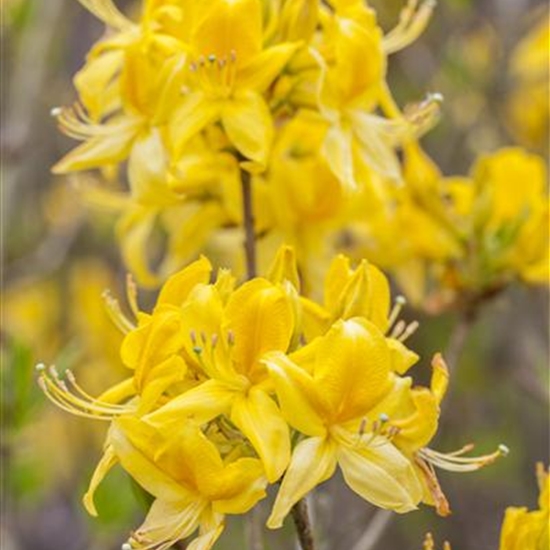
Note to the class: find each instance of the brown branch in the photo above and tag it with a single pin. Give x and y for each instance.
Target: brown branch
(248, 224)
(300, 515)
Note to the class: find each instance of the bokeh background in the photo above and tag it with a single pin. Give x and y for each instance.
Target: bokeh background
(59, 255)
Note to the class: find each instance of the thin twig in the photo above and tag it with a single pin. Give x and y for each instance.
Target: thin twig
(248, 224)
(300, 515)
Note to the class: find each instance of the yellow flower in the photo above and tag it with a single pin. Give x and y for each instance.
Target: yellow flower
(527, 108)
(326, 389)
(228, 71)
(358, 141)
(527, 530)
(193, 486)
(225, 338)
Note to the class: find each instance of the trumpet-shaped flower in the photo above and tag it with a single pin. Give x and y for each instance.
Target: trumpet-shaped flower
(326, 389)
(192, 485)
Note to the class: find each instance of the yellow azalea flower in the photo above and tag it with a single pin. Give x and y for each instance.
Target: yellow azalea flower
(469, 237)
(359, 141)
(305, 197)
(193, 487)
(527, 108)
(228, 71)
(528, 530)
(326, 389)
(411, 415)
(226, 345)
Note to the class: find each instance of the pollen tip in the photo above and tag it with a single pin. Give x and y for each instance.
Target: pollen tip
(55, 111)
(197, 350)
(40, 367)
(126, 546)
(401, 300)
(384, 417)
(504, 450)
(436, 96)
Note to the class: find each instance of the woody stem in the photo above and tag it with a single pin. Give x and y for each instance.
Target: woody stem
(248, 224)
(300, 515)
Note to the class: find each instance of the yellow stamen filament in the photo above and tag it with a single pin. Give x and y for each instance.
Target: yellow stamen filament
(107, 12)
(131, 294)
(398, 329)
(115, 313)
(455, 462)
(74, 399)
(216, 77)
(74, 122)
(413, 20)
(400, 301)
(422, 116)
(410, 329)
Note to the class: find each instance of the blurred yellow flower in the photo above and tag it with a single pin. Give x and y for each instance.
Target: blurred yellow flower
(527, 530)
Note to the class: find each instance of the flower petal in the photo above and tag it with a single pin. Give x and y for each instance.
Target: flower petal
(297, 393)
(200, 404)
(260, 316)
(353, 368)
(382, 475)
(259, 418)
(247, 120)
(313, 461)
(108, 460)
(177, 288)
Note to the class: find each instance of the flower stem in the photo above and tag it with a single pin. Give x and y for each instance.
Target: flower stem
(248, 224)
(300, 515)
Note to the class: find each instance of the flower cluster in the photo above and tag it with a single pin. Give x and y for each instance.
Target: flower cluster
(468, 237)
(235, 387)
(175, 105)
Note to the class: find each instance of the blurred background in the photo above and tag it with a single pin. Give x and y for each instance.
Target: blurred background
(58, 257)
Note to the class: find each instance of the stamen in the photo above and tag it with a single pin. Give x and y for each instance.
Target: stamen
(413, 20)
(409, 331)
(81, 403)
(131, 294)
(115, 313)
(230, 338)
(398, 329)
(400, 301)
(455, 462)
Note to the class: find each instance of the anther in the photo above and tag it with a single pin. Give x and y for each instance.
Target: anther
(504, 450)
(233, 56)
(126, 546)
(40, 367)
(212, 58)
(197, 350)
(56, 111)
(193, 337)
(383, 418)
(436, 96)
(230, 337)
(214, 340)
